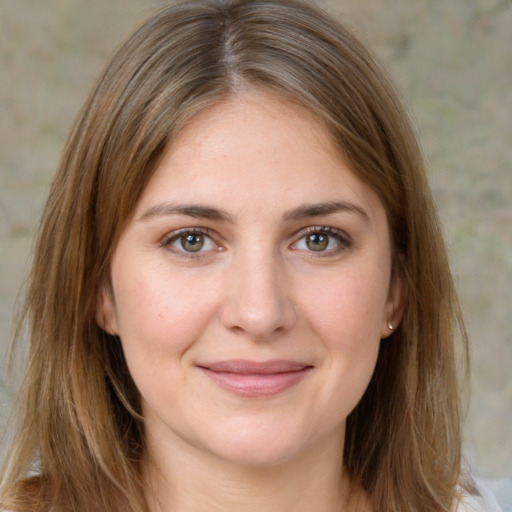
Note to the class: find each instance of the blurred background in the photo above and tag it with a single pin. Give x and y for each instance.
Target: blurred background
(452, 61)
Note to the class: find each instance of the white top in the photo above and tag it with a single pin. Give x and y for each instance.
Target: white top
(484, 503)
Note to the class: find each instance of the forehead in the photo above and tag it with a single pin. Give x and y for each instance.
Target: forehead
(255, 148)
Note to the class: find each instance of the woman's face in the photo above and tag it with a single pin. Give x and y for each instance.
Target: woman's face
(252, 287)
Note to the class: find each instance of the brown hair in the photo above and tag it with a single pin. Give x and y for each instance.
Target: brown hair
(79, 438)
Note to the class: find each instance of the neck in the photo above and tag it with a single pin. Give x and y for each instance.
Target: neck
(184, 481)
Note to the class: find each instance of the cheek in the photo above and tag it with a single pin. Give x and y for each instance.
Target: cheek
(346, 316)
(161, 314)
(347, 308)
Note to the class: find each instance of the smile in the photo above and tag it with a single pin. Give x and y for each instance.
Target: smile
(252, 379)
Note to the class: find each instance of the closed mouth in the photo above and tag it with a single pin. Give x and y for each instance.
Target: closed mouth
(253, 379)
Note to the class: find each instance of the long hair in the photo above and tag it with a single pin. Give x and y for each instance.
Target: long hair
(79, 439)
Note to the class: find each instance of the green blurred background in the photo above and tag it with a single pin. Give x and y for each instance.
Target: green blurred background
(452, 60)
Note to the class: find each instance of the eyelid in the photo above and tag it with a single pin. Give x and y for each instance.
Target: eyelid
(342, 237)
(167, 240)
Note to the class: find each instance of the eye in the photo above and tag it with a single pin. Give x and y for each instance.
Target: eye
(322, 240)
(317, 241)
(190, 241)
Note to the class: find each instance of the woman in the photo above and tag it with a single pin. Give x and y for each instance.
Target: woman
(240, 296)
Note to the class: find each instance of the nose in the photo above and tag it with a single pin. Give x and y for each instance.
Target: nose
(258, 300)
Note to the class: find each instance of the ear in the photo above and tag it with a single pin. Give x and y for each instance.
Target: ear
(105, 312)
(395, 304)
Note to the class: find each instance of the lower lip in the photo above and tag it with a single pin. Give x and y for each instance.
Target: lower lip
(256, 385)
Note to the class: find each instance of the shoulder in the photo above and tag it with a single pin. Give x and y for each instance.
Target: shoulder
(486, 502)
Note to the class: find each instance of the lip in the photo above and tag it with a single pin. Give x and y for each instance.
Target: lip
(254, 379)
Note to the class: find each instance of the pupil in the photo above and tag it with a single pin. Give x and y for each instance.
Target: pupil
(317, 242)
(192, 243)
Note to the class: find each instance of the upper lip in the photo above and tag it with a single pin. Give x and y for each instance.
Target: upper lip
(246, 367)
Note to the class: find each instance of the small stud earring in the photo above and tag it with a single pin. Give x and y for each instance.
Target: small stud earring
(390, 326)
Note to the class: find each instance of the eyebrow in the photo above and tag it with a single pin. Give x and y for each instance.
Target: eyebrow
(319, 209)
(190, 210)
(210, 213)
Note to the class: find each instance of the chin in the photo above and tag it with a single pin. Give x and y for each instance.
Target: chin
(257, 455)
(261, 445)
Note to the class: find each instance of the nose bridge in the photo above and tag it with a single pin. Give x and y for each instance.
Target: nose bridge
(259, 297)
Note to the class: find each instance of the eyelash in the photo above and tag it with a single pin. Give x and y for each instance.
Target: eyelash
(176, 235)
(342, 238)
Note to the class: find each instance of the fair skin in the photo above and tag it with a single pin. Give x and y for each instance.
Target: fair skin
(250, 290)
